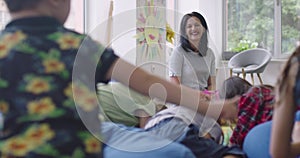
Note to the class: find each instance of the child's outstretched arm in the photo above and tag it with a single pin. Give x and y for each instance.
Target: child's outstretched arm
(156, 87)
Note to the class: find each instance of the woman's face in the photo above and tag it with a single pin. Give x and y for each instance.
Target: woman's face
(194, 29)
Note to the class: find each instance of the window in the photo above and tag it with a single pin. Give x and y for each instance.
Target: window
(269, 24)
(290, 25)
(4, 16)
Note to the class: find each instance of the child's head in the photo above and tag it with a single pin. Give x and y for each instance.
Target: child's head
(234, 86)
(17, 5)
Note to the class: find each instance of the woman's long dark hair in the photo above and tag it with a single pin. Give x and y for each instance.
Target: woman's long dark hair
(185, 44)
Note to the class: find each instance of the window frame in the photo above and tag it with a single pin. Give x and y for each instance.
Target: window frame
(277, 30)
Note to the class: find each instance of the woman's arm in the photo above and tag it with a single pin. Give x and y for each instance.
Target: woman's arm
(211, 83)
(155, 87)
(282, 129)
(175, 66)
(283, 117)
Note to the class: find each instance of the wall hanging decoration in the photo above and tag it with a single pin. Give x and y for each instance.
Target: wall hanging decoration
(151, 28)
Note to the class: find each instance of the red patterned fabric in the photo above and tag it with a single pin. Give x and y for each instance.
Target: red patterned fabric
(255, 107)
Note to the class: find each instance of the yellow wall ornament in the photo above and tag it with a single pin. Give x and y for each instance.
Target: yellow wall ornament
(170, 34)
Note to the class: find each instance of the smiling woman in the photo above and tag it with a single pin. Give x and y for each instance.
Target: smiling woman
(192, 63)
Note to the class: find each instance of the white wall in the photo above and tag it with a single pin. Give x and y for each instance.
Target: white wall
(124, 43)
(124, 29)
(123, 25)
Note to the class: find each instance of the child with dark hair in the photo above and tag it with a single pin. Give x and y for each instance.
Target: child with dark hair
(234, 86)
(255, 107)
(230, 88)
(200, 133)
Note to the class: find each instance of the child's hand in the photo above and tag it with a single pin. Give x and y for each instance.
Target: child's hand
(205, 96)
(208, 95)
(230, 110)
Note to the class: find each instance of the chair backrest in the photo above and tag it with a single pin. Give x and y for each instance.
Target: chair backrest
(256, 59)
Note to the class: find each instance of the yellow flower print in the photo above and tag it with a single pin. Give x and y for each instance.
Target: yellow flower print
(53, 66)
(4, 107)
(68, 91)
(68, 41)
(37, 86)
(8, 41)
(82, 96)
(170, 34)
(14, 37)
(4, 49)
(92, 145)
(17, 146)
(39, 134)
(41, 107)
(76, 90)
(87, 102)
(79, 90)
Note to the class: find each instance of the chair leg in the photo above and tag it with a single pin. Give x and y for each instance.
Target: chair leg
(238, 74)
(260, 80)
(243, 72)
(230, 72)
(252, 78)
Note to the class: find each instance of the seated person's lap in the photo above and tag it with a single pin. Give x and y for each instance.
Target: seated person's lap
(122, 141)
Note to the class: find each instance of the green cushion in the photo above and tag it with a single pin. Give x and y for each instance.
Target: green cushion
(119, 103)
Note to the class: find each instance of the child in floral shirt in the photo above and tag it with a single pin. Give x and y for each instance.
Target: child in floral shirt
(48, 77)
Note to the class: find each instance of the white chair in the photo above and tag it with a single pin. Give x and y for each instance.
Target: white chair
(249, 62)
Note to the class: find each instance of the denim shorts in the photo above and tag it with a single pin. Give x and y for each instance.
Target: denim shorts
(178, 131)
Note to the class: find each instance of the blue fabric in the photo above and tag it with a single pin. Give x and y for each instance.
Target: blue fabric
(207, 148)
(178, 131)
(173, 150)
(297, 88)
(257, 141)
(130, 142)
(297, 116)
(171, 128)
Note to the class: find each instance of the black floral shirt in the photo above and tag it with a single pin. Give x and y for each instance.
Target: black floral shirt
(47, 90)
